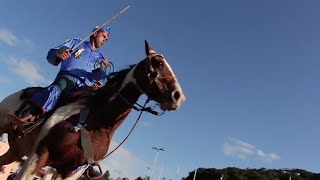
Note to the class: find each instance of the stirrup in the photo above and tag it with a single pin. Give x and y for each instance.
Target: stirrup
(13, 119)
(77, 127)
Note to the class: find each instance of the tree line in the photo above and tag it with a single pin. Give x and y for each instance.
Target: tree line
(232, 173)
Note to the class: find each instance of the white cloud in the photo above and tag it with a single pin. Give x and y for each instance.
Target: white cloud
(7, 37)
(122, 163)
(26, 70)
(243, 150)
(28, 43)
(10, 39)
(146, 123)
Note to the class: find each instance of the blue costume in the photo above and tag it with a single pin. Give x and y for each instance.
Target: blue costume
(83, 68)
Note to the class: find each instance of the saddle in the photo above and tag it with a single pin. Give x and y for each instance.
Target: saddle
(71, 97)
(30, 122)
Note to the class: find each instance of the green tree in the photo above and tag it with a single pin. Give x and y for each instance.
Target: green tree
(232, 173)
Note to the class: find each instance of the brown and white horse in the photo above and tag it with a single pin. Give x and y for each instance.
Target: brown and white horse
(55, 145)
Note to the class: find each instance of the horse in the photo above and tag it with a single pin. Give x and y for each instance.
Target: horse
(54, 144)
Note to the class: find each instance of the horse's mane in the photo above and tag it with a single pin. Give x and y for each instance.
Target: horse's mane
(113, 84)
(114, 79)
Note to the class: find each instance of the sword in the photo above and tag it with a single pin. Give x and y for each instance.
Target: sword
(99, 27)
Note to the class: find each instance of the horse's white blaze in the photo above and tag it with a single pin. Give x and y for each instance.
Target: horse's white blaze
(177, 88)
(169, 67)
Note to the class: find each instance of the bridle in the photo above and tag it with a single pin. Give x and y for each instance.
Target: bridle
(153, 75)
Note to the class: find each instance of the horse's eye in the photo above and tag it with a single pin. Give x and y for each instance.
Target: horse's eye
(157, 64)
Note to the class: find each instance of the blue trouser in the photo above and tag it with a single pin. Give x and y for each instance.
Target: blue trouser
(47, 98)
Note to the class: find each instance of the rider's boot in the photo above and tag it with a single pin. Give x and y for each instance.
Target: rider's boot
(83, 116)
(78, 127)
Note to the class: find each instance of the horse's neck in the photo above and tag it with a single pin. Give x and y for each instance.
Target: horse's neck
(129, 94)
(112, 113)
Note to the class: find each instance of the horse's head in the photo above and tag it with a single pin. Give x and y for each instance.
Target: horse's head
(156, 79)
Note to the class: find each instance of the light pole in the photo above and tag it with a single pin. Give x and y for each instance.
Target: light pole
(177, 172)
(195, 171)
(195, 174)
(290, 173)
(160, 173)
(155, 159)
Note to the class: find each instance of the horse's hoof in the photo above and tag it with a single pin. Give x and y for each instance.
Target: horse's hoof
(93, 174)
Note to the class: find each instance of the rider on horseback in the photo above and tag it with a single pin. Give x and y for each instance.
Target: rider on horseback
(85, 66)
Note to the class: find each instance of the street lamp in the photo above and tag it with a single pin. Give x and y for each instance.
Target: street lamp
(290, 173)
(155, 160)
(222, 176)
(195, 171)
(195, 174)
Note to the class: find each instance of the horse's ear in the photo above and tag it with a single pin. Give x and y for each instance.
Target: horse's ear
(149, 49)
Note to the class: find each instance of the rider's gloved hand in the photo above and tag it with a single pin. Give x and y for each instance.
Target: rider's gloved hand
(63, 53)
(96, 85)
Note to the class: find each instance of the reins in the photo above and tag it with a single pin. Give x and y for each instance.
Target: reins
(134, 125)
(142, 109)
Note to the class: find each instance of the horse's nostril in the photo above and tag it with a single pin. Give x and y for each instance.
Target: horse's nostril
(176, 95)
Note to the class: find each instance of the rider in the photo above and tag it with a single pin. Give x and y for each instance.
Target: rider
(85, 66)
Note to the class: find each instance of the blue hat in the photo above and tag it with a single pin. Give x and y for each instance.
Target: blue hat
(105, 29)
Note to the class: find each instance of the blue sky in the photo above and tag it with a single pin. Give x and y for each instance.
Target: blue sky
(249, 70)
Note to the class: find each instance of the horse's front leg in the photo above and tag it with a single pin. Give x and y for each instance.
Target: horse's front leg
(33, 165)
(26, 172)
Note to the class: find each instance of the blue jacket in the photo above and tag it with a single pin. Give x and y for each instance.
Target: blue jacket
(84, 64)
